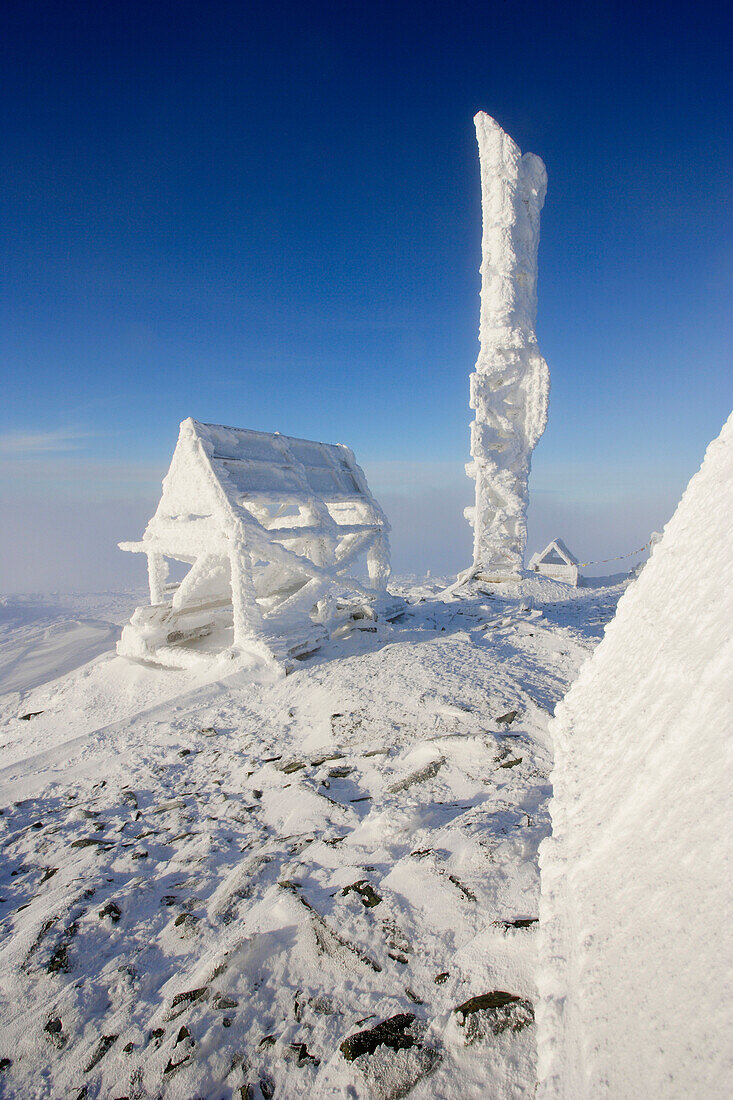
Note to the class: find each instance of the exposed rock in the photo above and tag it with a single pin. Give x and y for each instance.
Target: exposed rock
(397, 1033)
(99, 1051)
(182, 1001)
(292, 766)
(506, 719)
(172, 1066)
(366, 892)
(318, 760)
(59, 960)
(186, 921)
(464, 889)
(52, 1027)
(428, 772)
(302, 1056)
(391, 1056)
(520, 922)
(174, 804)
(496, 999)
(491, 1013)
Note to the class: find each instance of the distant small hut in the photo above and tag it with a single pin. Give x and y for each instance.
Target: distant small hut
(556, 561)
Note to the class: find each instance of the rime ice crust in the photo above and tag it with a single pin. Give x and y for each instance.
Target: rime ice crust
(633, 976)
(511, 383)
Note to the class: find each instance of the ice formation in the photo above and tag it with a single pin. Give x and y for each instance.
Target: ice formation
(271, 527)
(510, 385)
(635, 944)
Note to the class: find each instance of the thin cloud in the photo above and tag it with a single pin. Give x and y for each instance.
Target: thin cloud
(21, 444)
(68, 477)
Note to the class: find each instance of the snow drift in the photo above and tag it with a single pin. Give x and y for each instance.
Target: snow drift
(634, 890)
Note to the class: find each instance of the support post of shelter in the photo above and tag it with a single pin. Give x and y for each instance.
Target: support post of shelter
(378, 563)
(157, 576)
(246, 615)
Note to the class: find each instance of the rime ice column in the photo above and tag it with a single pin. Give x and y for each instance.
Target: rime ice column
(511, 383)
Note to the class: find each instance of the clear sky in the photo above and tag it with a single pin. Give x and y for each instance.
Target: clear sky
(268, 215)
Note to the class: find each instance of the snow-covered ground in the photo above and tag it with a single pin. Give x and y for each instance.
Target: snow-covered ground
(210, 885)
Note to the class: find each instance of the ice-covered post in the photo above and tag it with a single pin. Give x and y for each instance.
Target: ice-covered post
(157, 576)
(510, 385)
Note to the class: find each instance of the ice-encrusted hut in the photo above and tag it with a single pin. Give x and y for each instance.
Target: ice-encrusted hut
(271, 528)
(556, 561)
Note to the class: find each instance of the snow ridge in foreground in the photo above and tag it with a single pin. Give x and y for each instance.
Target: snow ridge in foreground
(635, 943)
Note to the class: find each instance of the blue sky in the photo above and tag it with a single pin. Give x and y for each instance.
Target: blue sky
(269, 215)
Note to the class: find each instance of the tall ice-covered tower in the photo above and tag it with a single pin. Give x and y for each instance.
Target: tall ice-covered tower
(511, 383)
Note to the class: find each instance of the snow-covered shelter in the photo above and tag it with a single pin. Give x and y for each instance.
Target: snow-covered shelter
(556, 561)
(271, 528)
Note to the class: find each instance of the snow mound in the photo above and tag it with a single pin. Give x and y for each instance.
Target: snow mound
(38, 642)
(634, 890)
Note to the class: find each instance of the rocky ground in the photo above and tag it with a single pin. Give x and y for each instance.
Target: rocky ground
(326, 885)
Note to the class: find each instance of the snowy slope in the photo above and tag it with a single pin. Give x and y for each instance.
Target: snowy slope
(209, 886)
(636, 948)
(43, 638)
